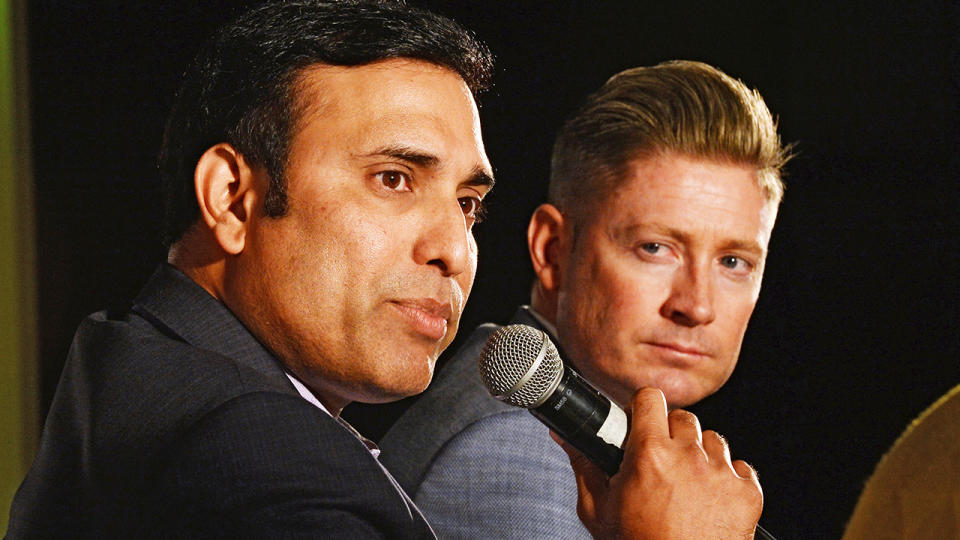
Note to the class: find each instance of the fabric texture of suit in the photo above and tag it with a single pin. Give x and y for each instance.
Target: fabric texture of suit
(171, 420)
(476, 467)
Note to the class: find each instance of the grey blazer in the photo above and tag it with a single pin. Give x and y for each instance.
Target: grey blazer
(476, 467)
(170, 420)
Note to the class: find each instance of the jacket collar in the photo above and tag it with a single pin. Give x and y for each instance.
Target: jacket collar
(529, 316)
(184, 310)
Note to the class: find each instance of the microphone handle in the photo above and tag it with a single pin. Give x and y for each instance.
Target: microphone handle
(576, 411)
(762, 534)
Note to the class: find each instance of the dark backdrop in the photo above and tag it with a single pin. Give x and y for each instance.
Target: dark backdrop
(855, 331)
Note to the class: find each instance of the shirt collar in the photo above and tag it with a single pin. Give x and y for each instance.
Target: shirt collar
(306, 394)
(547, 325)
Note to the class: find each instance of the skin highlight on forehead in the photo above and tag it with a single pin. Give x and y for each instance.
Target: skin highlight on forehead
(725, 201)
(390, 121)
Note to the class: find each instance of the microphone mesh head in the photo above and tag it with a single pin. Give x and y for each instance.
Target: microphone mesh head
(509, 356)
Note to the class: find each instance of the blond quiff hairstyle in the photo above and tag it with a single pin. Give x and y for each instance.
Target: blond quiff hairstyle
(685, 107)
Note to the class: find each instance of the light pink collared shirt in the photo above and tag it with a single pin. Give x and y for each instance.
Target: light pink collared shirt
(306, 394)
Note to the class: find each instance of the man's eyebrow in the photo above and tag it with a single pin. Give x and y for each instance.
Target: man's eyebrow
(627, 234)
(477, 177)
(741, 245)
(405, 153)
(480, 177)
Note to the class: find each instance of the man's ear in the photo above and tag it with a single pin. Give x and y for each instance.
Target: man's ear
(225, 188)
(545, 236)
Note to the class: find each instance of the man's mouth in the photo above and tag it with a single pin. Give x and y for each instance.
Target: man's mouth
(426, 316)
(683, 352)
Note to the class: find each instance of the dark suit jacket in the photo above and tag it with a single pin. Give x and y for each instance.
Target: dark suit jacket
(171, 420)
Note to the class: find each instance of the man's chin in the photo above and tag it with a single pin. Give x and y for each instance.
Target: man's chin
(680, 392)
(397, 388)
(389, 396)
(685, 397)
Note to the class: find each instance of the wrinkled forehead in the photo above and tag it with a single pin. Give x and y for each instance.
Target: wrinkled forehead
(606, 182)
(678, 192)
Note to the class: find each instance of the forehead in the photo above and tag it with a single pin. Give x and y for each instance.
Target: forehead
(692, 195)
(426, 105)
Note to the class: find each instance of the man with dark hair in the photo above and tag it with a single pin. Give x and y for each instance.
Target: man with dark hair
(322, 170)
(649, 255)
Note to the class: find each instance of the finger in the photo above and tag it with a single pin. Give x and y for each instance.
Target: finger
(648, 416)
(745, 471)
(591, 481)
(684, 426)
(717, 449)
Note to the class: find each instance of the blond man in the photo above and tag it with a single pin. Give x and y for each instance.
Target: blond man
(649, 256)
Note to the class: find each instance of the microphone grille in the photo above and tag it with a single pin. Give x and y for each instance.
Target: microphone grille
(510, 369)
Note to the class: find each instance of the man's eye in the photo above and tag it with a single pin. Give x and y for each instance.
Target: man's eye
(651, 247)
(394, 180)
(735, 263)
(655, 252)
(473, 208)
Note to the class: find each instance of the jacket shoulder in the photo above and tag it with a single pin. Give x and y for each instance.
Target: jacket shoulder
(455, 399)
(501, 477)
(144, 375)
(268, 464)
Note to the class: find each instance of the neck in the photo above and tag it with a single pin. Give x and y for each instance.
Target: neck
(202, 264)
(544, 303)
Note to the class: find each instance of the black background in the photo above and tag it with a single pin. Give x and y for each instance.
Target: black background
(856, 328)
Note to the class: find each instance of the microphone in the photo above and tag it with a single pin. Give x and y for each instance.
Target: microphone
(519, 365)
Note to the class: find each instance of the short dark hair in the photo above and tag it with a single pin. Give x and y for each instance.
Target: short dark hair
(680, 106)
(241, 88)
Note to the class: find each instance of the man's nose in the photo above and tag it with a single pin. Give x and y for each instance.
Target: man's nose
(690, 302)
(444, 241)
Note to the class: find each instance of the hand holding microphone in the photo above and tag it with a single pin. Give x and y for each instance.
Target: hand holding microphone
(665, 479)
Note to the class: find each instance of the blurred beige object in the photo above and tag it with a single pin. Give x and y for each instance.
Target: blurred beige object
(914, 492)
